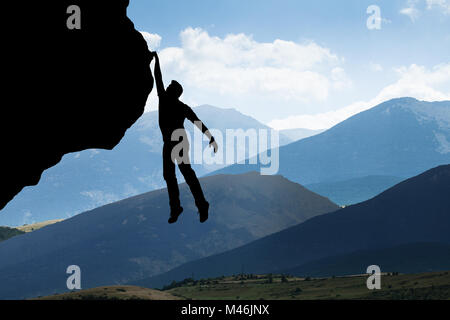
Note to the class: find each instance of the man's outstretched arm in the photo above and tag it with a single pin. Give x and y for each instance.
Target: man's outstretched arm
(199, 124)
(158, 76)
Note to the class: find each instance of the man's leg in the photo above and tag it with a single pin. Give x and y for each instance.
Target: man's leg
(171, 179)
(196, 189)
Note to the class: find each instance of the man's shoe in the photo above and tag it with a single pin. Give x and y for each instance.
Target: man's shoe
(174, 214)
(203, 210)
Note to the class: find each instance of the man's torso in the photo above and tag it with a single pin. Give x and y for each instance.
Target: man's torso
(171, 113)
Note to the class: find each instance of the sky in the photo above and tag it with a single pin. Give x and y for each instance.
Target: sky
(299, 64)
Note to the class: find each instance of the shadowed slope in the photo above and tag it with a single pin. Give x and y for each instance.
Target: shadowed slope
(131, 239)
(416, 210)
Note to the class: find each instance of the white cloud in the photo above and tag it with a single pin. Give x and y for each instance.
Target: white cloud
(411, 12)
(443, 5)
(237, 66)
(153, 40)
(236, 69)
(414, 81)
(421, 83)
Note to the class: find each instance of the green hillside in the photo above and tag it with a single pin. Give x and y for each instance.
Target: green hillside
(393, 287)
(6, 233)
(435, 286)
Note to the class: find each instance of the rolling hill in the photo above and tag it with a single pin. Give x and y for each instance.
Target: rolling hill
(131, 239)
(399, 138)
(92, 178)
(414, 211)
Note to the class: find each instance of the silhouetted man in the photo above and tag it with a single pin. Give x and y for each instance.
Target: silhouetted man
(172, 113)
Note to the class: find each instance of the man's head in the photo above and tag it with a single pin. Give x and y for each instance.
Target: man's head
(174, 89)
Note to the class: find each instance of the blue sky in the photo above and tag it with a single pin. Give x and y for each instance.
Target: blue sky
(292, 63)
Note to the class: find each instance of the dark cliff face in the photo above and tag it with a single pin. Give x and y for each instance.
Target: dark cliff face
(66, 90)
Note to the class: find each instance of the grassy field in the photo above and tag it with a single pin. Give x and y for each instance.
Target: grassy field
(423, 286)
(417, 286)
(114, 293)
(36, 226)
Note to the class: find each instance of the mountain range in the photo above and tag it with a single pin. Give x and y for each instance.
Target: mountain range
(398, 138)
(258, 224)
(86, 180)
(131, 239)
(414, 214)
(349, 163)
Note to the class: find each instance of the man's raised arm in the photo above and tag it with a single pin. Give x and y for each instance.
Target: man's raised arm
(158, 76)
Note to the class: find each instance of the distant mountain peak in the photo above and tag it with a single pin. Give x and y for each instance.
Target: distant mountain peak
(424, 110)
(400, 137)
